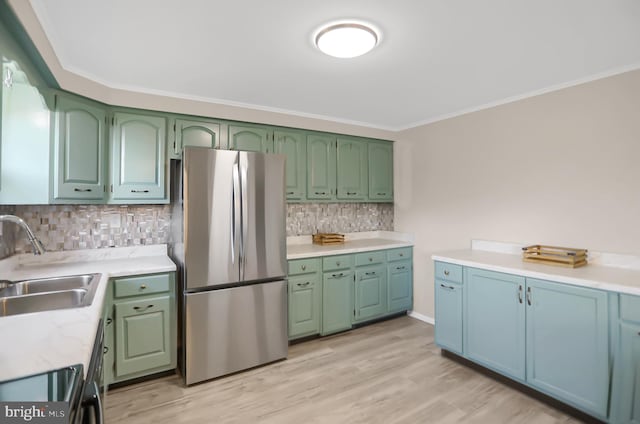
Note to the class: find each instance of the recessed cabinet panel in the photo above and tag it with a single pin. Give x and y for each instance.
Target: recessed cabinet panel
(321, 167)
(196, 133)
(370, 292)
(79, 156)
(294, 147)
(449, 316)
(399, 286)
(352, 169)
(337, 303)
(138, 159)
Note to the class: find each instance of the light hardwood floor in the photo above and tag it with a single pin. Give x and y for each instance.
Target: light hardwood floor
(389, 372)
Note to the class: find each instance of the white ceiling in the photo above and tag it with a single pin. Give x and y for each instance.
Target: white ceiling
(437, 58)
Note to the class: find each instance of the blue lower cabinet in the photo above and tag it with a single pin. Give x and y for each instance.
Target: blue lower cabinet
(494, 322)
(568, 344)
(449, 316)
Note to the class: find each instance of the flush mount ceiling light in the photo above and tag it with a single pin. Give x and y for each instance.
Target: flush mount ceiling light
(346, 39)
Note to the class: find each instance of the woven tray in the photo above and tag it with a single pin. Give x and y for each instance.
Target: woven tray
(553, 255)
(328, 238)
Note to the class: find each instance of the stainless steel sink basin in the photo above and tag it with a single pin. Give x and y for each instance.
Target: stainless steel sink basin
(48, 294)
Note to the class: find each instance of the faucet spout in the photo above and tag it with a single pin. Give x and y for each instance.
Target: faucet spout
(38, 248)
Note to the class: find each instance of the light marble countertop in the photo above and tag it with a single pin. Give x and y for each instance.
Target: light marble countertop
(42, 341)
(610, 278)
(302, 246)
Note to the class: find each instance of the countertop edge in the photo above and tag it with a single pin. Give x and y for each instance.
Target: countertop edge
(343, 250)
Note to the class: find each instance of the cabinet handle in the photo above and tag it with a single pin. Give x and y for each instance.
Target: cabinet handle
(304, 267)
(520, 293)
(143, 286)
(401, 254)
(529, 296)
(370, 259)
(321, 192)
(289, 193)
(447, 287)
(381, 194)
(109, 321)
(142, 308)
(338, 275)
(400, 267)
(351, 193)
(82, 190)
(139, 191)
(446, 272)
(338, 263)
(105, 350)
(304, 284)
(370, 273)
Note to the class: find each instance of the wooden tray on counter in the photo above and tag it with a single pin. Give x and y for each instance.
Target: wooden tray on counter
(328, 238)
(553, 255)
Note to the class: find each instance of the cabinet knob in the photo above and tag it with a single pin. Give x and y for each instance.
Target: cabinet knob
(402, 254)
(304, 267)
(143, 286)
(337, 263)
(370, 259)
(446, 272)
(105, 350)
(109, 321)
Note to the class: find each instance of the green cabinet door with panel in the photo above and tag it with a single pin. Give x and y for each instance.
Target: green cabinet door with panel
(380, 160)
(625, 386)
(337, 301)
(494, 321)
(568, 343)
(370, 292)
(305, 297)
(399, 286)
(321, 167)
(351, 165)
(79, 151)
(250, 138)
(192, 132)
(138, 159)
(293, 145)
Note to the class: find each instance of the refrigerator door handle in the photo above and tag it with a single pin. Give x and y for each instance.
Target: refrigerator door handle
(244, 209)
(235, 210)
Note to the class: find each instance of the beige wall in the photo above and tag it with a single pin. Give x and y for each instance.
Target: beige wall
(83, 86)
(562, 168)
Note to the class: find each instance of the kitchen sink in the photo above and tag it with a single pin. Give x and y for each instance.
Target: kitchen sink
(47, 294)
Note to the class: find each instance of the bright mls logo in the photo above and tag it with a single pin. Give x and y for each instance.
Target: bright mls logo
(34, 412)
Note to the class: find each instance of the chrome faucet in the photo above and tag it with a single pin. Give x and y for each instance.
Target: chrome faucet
(38, 248)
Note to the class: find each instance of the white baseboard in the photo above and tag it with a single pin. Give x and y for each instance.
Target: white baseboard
(428, 320)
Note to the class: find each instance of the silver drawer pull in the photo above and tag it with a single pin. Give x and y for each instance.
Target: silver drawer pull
(83, 190)
(109, 321)
(370, 273)
(529, 296)
(520, 293)
(139, 191)
(304, 267)
(321, 192)
(289, 193)
(402, 254)
(338, 275)
(351, 193)
(105, 350)
(304, 284)
(446, 272)
(142, 308)
(382, 194)
(400, 267)
(143, 286)
(447, 287)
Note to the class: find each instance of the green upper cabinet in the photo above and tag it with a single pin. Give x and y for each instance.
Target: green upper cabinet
(138, 165)
(79, 151)
(250, 138)
(321, 166)
(380, 159)
(351, 169)
(294, 146)
(192, 132)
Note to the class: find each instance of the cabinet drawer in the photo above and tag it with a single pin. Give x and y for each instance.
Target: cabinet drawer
(370, 258)
(630, 307)
(144, 284)
(449, 272)
(304, 283)
(399, 254)
(331, 263)
(304, 266)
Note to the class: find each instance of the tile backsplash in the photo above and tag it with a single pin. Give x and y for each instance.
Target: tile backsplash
(72, 227)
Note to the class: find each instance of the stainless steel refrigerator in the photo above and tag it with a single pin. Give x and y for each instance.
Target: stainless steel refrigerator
(234, 303)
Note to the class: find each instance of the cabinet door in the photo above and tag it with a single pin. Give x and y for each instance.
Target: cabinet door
(399, 286)
(321, 167)
(138, 159)
(251, 139)
(196, 133)
(109, 343)
(625, 390)
(568, 344)
(351, 169)
(305, 294)
(337, 306)
(494, 321)
(370, 292)
(143, 335)
(294, 146)
(79, 150)
(448, 324)
(380, 157)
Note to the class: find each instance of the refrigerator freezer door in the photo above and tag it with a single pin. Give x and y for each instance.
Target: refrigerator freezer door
(233, 329)
(263, 252)
(211, 217)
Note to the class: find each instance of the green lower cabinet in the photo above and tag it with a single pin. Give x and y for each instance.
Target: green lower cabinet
(140, 328)
(370, 292)
(399, 286)
(337, 303)
(568, 344)
(305, 297)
